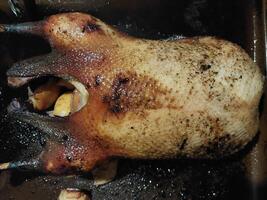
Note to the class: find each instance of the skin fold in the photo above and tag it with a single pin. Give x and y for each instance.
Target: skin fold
(195, 98)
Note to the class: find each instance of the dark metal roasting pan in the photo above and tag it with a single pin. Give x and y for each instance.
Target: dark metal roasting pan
(241, 176)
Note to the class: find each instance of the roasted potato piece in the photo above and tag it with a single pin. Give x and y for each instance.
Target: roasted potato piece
(63, 104)
(45, 96)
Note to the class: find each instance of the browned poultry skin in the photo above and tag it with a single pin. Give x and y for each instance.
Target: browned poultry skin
(195, 98)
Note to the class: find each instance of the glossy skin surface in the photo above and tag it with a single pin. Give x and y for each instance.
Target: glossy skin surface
(195, 97)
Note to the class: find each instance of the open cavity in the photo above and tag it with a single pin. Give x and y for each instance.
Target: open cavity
(55, 96)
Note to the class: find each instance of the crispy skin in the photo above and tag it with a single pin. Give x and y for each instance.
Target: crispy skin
(195, 97)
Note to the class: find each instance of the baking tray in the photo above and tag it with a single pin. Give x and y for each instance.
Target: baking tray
(241, 176)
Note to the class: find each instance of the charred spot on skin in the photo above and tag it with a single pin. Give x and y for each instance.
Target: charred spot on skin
(116, 108)
(68, 158)
(183, 144)
(123, 80)
(118, 90)
(65, 138)
(98, 80)
(205, 67)
(90, 27)
(130, 91)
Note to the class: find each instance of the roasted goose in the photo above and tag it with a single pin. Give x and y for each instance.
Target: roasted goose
(136, 98)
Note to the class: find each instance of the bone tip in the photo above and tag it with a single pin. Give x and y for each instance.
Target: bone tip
(2, 28)
(4, 166)
(72, 194)
(31, 165)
